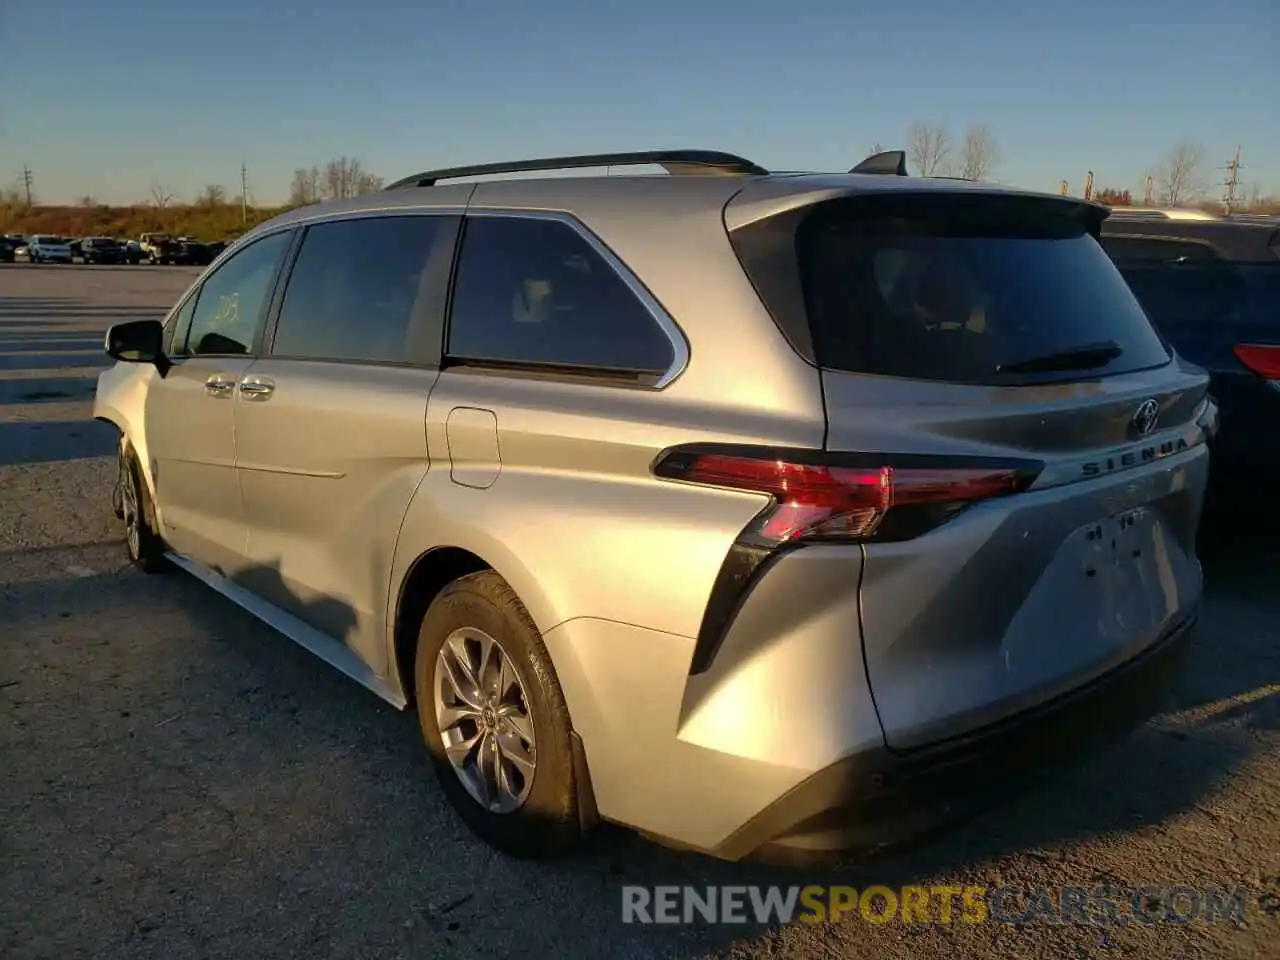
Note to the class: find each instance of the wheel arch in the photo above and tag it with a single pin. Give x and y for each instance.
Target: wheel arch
(428, 575)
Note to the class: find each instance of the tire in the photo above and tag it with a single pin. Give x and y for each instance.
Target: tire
(142, 543)
(540, 818)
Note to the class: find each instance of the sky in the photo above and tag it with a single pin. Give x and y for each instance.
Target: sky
(109, 99)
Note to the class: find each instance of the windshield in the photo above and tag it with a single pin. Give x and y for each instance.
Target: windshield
(46, 240)
(968, 290)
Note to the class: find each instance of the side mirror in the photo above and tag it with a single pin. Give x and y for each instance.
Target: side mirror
(138, 341)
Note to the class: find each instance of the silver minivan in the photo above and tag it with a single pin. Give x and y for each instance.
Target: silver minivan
(766, 514)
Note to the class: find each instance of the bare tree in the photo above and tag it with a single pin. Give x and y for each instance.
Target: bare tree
(160, 198)
(979, 153)
(345, 177)
(878, 148)
(1181, 174)
(213, 195)
(87, 201)
(930, 147)
(305, 187)
(11, 201)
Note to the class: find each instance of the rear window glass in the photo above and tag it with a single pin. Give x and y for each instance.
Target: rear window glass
(967, 289)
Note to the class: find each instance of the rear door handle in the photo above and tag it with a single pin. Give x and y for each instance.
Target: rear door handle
(219, 386)
(257, 388)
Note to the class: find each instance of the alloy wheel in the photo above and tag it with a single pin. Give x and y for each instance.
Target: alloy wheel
(482, 714)
(132, 514)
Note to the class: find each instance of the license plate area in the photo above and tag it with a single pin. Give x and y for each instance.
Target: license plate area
(1116, 542)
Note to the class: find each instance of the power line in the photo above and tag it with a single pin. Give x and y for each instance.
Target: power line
(244, 193)
(1232, 183)
(28, 181)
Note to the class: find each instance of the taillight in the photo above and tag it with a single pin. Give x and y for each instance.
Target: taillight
(1264, 360)
(828, 497)
(823, 497)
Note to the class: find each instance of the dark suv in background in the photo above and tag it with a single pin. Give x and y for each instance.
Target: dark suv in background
(99, 250)
(1211, 284)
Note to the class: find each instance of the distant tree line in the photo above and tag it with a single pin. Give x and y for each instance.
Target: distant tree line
(1180, 177)
(212, 214)
(337, 180)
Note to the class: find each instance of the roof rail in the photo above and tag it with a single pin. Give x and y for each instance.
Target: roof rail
(1164, 214)
(891, 163)
(675, 162)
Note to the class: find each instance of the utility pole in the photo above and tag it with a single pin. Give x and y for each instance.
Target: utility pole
(1088, 185)
(1232, 182)
(244, 193)
(1148, 191)
(28, 181)
(1063, 187)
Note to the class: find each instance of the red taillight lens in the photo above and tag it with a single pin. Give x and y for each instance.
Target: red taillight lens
(1264, 360)
(821, 501)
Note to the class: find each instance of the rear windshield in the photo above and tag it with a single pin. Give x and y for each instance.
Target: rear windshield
(972, 289)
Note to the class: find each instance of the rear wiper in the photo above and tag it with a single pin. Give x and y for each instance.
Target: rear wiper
(1084, 357)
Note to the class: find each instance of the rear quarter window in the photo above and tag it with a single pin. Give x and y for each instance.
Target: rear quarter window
(956, 288)
(534, 292)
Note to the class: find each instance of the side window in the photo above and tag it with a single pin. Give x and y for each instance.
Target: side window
(535, 291)
(353, 288)
(175, 334)
(1156, 249)
(230, 302)
(1181, 284)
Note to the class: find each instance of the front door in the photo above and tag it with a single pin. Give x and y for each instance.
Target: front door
(190, 413)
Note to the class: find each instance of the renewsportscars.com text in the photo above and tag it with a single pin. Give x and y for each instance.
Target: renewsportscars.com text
(1098, 905)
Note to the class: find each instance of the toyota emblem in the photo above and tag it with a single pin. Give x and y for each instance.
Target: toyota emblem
(1145, 417)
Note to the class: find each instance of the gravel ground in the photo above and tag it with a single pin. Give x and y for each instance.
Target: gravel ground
(179, 781)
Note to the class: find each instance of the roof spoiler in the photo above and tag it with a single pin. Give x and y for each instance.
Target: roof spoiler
(675, 162)
(890, 163)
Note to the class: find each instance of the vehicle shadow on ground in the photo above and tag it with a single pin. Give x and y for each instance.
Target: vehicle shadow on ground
(51, 342)
(331, 834)
(43, 360)
(31, 441)
(31, 390)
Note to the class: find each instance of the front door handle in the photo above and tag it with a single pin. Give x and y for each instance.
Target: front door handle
(219, 386)
(256, 388)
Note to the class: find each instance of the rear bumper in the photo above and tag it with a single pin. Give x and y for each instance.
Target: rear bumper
(882, 798)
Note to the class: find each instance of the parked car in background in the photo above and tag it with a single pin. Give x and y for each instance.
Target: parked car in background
(131, 251)
(761, 513)
(45, 248)
(100, 250)
(1211, 284)
(192, 253)
(7, 247)
(215, 248)
(158, 248)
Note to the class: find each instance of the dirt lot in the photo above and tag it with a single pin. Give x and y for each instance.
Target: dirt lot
(179, 781)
